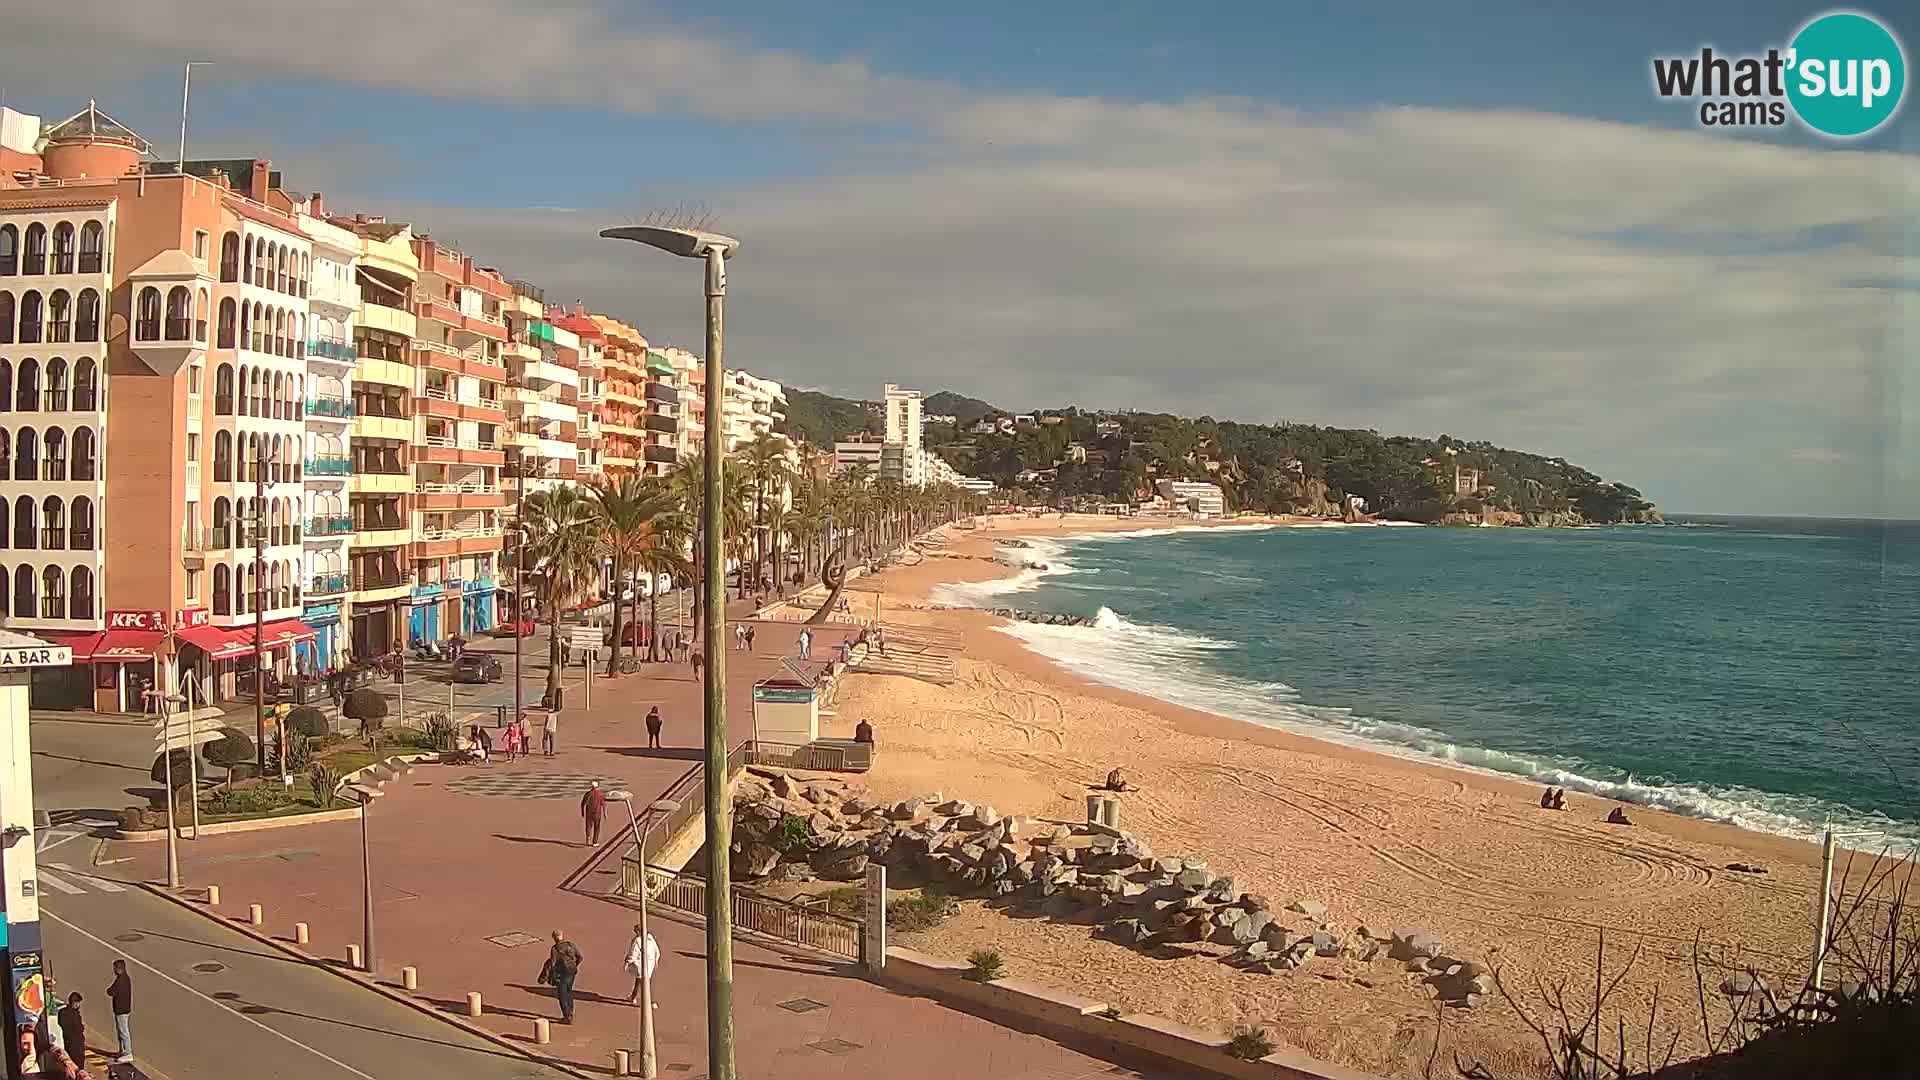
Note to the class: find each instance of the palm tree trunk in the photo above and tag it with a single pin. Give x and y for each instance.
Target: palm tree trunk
(653, 621)
(553, 652)
(613, 654)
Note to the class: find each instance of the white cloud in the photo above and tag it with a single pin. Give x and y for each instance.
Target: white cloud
(1618, 295)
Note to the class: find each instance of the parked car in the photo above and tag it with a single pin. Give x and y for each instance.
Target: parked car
(508, 629)
(633, 637)
(476, 668)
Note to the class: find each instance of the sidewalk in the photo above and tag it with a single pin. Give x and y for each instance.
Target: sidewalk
(466, 861)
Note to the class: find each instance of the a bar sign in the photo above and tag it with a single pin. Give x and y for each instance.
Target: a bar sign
(33, 656)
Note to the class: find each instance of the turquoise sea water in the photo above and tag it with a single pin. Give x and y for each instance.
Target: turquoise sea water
(1764, 672)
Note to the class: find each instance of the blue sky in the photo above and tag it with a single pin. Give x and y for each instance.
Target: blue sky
(1417, 218)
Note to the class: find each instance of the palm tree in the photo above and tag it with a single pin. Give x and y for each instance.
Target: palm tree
(688, 486)
(770, 473)
(561, 538)
(672, 530)
(628, 510)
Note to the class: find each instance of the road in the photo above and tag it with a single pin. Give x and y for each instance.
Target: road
(260, 1013)
(211, 1002)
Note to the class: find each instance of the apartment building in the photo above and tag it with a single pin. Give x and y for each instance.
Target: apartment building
(623, 359)
(903, 429)
(751, 406)
(459, 351)
(333, 300)
(543, 397)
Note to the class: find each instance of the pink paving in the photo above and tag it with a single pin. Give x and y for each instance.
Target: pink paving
(453, 870)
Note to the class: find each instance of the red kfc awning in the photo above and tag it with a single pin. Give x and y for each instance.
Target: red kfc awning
(218, 644)
(281, 634)
(119, 646)
(83, 644)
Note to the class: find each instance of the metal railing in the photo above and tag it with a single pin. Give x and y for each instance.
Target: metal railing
(330, 466)
(333, 350)
(476, 532)
(328, 584)
(329, 524)
(338, 407)
(463, 487)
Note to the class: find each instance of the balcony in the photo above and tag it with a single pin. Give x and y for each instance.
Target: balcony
(328, 585)
(661, 423)
(372, 582)
(471, 532)
(663, 455)
(341, 351)
(662, 392)
(339, 408)
(329, 524)
(463, 487)
(329, 466)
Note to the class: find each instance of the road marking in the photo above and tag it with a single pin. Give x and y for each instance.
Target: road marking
(53, 838)
(103, 884)
(66, 887)
(322, 1055)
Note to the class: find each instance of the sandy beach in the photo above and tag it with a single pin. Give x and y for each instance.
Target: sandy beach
(1380, 840)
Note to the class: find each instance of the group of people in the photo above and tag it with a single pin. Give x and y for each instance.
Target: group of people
(515, 741)
(743, 635)
(1556, 799)
(67, 1057)
(562, 968)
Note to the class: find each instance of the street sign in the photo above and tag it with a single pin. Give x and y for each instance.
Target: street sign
(182, 741)
(32, 656)
(584, 637)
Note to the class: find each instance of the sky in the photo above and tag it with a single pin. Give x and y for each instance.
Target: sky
(1418, 218)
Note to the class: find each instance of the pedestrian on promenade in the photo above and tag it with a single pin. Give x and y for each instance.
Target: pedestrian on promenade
(481, 742)
(120, 993)
(561, 968)
(510, 741)
(642, 950)
(73, 1029)
(749, 634)
(806, 643)
(699, 662)
(549, 731)
(739, 637)
(653, 728)
(593, 809)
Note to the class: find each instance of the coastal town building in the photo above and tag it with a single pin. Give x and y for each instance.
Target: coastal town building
(333, 298)
(1452, 474)
(1195, 497)
(904, 429)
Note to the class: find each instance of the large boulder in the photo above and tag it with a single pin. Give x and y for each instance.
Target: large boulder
(782, 786)
(1312, 909)
(954, 808)
(1411, 944)
(1193, 878)
(845, 864)
(907, 810)
(1221, 889)
(755, 860)
(981, 817)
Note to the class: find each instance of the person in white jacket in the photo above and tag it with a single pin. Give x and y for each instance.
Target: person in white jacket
(634, 953)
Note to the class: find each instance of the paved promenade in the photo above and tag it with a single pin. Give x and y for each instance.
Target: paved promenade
(466, 863)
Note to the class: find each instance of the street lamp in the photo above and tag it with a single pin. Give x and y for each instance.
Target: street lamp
(648, 1058)
(165, 700)
(714, 249)
(366, 797)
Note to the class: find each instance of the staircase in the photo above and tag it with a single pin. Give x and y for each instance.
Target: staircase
(920, 652)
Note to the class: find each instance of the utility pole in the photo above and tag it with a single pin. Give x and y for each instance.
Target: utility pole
(720, 1057)
(259, 604)
(519, 572)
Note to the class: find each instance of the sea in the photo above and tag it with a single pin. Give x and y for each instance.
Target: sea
(1763, 672)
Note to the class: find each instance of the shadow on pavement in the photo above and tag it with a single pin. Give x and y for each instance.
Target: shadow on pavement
(676, 753)
(535, 840)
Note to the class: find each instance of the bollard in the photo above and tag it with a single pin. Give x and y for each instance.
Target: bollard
(1110, 814)
(473, 1003)
(353, 957)
(301, 935)
(541, 1033)
(256, 914)
(621, 1062)
(409, 979)
(1093, 809)
(213, 896)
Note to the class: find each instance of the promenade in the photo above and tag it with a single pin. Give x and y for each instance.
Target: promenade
(466, 863)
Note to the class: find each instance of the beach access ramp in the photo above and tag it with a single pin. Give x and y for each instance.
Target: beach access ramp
(920, 652)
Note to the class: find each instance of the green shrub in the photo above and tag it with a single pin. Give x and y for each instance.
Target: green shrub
(442, 733)
(985, 965)
(182, 768)
(307, 722)
(231, 750)
(369, 708)
(790, 840)
(258, 798)
(324, 781)
(1250, 1044)
(298, 754)
(919, 911)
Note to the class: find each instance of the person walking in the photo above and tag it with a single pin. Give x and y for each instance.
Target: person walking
(510, 742)
(749, 631)
(806, 644)
(699, 661)
(593, 809)
(549, 731)
(643, 955)
(653, 728)
(120, 993)
(561, 968)
(73, 1030)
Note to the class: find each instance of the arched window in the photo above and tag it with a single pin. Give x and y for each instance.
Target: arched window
(306, 272)
(222, 457)
(223, 375)
(86, 318)
(25, 596)
(81, 538)
(53, 524)
(259, 327)
(26, 454)
(53, 593)
(55, 465)
(179, 313)
(246, 268)
(300, 339)
(36, 252)
(252, 592)
(59, 317)
(56, 398)
(222, 590)
(5, 536)
(280, 278)
(30, 317)
(279, 332)
(6, 318)
(274, 397)
(23, 523)
(85, 450)
(279, 588)
(6, 593)
(86, 391)
(246, 326)
(26, 387)
(146, 316)
(9, 250)
(202, 311)
(252, 443)
(230, 257)
(222, 523)
(91, 247)
(274, 461)
(63, 248)
(81, 606)
(227, 315)
(256, 391)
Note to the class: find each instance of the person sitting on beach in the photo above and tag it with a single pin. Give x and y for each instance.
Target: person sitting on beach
(863, 732)
(1559, 798)
(1116, 780)
(1618, 817)
(1546, 799)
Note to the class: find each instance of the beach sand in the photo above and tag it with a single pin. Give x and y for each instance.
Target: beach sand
(1381, 841)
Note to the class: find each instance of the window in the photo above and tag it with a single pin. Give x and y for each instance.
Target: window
(24, 593)
(82, 605)
(91, 248)
(86, 321)
(82, 537)
(223, 389)
(222, 591)
(63, 248)
(246, 267)
(53, 519)
(222, 464)
(193, 585)
(200, 244)
(230, 257)
(23, 524)
(84, 445)
(85, 393)
(36, 250)
(193, 378)
(59, 317)
(201, 309)
(30, 318)
(9, 250)
(179, 313)
(225, 338)
(55, 465)
(26, 390)
(193, 446)
(146, 321)
(6, 318)
(53, 597)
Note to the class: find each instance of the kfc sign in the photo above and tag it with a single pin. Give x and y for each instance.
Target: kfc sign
(136, 620)
(191, 617)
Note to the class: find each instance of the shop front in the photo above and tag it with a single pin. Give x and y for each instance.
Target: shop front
(478, 610)
(374, 627)
(113, 669)
(423, 614)
(323, 653)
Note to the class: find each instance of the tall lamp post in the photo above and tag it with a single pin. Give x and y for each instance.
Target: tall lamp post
(364, 797)
(714, 249)
(649, 1059)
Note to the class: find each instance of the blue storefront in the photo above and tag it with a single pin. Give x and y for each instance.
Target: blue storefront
(423, 613)
(477, 614)
(323, 652)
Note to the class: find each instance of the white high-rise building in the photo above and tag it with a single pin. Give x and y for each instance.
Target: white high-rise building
(904, 426)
